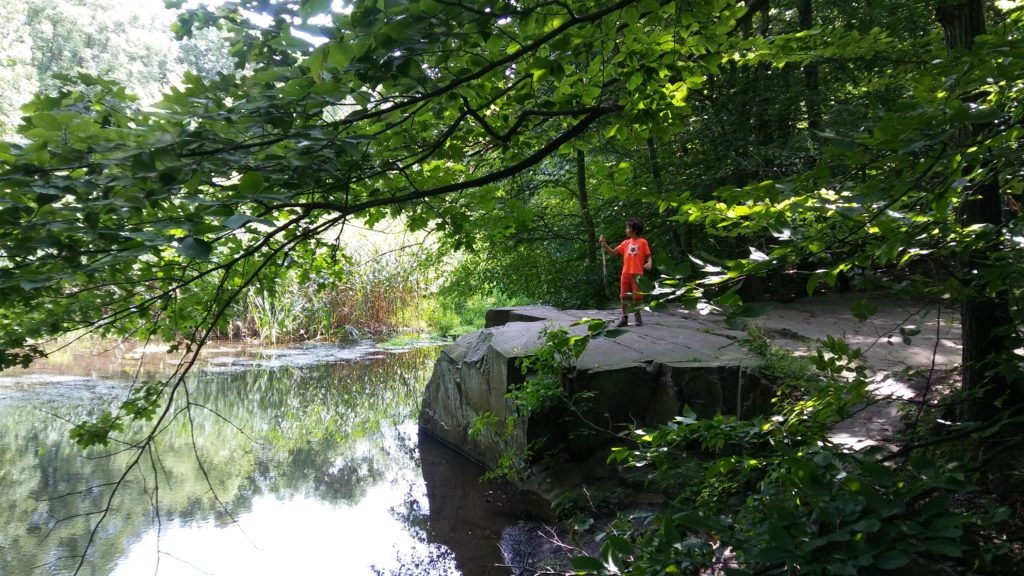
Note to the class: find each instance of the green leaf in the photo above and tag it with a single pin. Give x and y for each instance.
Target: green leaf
(753, 310)
(587, 564)
(237, 221)
(309, 8)
(863, 309)
(729, 299)
(823, 458)
(645, 284)
(756, 255)
(734, 322)
(944, 547)
(867, 525)
(893, 559)
(297, 88)
(195, 248)
(616, 546)
(47, 121)
(97, 432)
(33, 284)
(250, 183)
(812, 283)
(658, 306)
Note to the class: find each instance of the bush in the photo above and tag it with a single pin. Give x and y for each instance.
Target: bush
(778, 497)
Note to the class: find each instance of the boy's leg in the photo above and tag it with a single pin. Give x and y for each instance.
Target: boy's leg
(632, 293)
(638, 301)
(625, 291)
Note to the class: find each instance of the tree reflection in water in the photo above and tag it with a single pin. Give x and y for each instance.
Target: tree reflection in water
(317, 463)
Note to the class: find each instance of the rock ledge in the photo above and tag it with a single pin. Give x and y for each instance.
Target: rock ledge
(642, 377)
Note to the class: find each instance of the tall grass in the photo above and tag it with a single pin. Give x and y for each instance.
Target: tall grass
(370, 292)
(384, 283)
(448, 316)
(378, 290)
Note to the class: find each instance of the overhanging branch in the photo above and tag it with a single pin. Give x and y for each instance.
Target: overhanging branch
(529, 161)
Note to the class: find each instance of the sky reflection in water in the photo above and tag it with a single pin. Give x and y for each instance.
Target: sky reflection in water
(325, 479)
(300, 535)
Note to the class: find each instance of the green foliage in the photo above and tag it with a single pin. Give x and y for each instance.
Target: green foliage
(329, 295)
(554, 363)
(167, 216)
(551, 365)
(450, 313)
(141, 405)
(777, 494)
(96, 431)
(131, 44)
(526, 264)
(769, 156)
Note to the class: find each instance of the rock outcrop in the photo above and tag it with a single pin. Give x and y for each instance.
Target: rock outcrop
(675, 359)
(642, 377)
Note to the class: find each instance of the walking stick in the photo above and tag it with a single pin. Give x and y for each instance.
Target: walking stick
(604, 269)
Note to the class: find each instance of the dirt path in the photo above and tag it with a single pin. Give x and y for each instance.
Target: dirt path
(899, 368)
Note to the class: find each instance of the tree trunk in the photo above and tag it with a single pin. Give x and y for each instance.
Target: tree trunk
(987, 325)
(762, 132)
(679, 239)
(812, 74)
(584, 201)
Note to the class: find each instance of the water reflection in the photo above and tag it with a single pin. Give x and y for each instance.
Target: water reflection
(306, 467)
(465, 514)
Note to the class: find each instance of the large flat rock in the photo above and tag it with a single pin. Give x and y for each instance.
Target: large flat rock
(679, 358)
(644, 376)
(682, 357)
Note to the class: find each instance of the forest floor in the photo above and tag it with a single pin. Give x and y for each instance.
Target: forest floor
(909, 348)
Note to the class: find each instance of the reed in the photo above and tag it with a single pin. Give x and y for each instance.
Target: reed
(371, 292)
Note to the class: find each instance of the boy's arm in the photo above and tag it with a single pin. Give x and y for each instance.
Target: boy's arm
(648, 263)
(606, 247)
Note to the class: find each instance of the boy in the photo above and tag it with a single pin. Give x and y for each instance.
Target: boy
(636, 258)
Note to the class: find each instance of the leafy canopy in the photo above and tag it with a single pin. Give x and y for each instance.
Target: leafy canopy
(121, 219)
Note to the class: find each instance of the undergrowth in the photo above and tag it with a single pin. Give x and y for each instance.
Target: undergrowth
(776, 495)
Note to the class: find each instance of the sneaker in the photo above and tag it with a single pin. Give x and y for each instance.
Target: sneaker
(624, 321)
(639, 320)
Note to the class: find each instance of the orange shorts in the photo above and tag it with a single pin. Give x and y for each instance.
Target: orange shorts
(628, 287)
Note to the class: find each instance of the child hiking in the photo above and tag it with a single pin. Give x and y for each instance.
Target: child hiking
(636, 258)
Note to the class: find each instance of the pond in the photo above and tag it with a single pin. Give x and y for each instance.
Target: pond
(302, 460)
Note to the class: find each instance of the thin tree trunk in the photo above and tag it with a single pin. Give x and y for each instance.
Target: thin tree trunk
(986, 321)
(762, 131)
(584, 201)
(679, 233)
(812, 74)
(765, 13)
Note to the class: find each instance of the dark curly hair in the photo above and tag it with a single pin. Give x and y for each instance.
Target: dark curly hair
(636, 225)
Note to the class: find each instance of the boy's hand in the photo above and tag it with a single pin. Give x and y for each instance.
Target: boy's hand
(601, 239)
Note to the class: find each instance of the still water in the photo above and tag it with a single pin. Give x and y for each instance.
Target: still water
(301, 460)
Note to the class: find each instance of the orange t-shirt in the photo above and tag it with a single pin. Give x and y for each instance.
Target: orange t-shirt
(634, 253)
